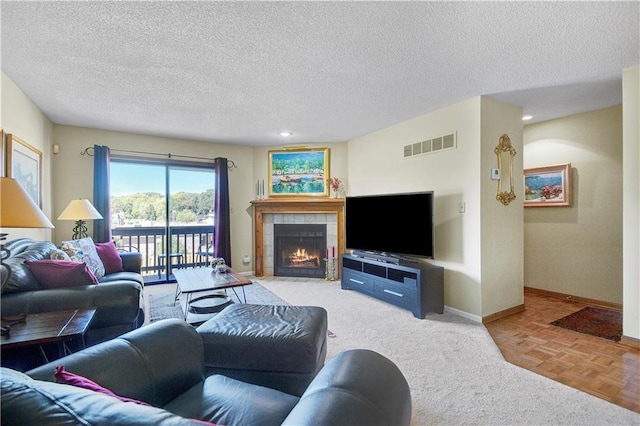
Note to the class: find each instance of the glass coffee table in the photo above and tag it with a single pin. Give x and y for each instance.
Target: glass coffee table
(204, 279)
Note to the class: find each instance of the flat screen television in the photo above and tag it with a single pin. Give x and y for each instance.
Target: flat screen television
(391, 224)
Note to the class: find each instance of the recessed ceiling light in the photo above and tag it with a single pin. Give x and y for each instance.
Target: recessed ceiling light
(527, 117)
(285, 134)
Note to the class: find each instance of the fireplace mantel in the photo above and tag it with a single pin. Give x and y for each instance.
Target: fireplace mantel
(293, 206)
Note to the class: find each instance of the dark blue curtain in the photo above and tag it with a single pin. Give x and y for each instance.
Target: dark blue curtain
(222, 224)
(101, 228)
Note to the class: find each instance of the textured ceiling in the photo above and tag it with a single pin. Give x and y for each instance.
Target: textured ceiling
(239, 72)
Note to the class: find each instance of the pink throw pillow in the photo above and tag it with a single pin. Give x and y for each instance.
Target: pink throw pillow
(63, 376)
(61, 273)
(110, 257)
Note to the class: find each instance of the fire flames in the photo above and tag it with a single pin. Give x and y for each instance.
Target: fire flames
(302, 258)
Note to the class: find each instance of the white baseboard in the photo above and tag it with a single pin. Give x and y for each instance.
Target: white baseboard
(463, 314)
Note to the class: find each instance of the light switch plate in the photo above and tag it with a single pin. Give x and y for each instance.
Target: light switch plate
(495, 174)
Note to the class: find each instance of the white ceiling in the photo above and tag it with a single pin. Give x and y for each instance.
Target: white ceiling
(239, 72)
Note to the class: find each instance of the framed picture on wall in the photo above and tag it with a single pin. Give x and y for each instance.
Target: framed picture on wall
(24, 164)
(548, 186)
(299, 172)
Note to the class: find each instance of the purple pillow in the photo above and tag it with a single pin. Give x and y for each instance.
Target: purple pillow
(65, 377)
(61, 273)
(110, 257)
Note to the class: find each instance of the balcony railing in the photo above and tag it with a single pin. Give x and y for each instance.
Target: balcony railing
(191, 246)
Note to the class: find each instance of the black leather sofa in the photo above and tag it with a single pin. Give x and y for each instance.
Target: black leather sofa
(163, 365)
(118, 298)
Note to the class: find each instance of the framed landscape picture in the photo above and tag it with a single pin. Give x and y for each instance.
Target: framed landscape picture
(24, 164)
(548, 186)
(299, 172)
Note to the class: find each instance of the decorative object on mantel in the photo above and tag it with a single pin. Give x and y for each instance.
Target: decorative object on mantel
(505, 153)
(260, 190)
(330, 260)
(335, 184)
(299, 171)
(548, 186)
(2, 153)
(80, 211)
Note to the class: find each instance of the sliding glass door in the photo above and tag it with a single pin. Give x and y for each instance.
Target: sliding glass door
(191, 215)
(165, 211)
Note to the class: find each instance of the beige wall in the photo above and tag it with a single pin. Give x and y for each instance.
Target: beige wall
(23, 119)
(502, 237)
(631, 203)
(376, 165)
(577, 250)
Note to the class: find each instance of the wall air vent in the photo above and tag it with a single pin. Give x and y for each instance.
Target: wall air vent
(417, 148)
(430, 146)
(449, 141)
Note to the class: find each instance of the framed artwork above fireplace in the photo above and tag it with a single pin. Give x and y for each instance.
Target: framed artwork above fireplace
(299, 172)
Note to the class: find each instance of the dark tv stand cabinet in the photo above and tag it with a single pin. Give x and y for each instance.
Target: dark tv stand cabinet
(418, 287)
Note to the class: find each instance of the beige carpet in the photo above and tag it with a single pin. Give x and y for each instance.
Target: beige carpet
(456, 373)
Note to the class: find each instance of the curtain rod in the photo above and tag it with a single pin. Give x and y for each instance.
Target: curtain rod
(230, 163)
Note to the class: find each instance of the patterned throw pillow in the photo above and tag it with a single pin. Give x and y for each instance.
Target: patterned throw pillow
(57, 254)
(84, 250)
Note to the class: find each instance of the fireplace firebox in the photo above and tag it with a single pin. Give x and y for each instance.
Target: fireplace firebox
(299, 250)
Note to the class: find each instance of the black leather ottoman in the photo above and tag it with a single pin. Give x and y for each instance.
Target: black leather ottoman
(281, 347)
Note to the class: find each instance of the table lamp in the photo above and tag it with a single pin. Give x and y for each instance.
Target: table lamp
(80, 210)
(17, 210)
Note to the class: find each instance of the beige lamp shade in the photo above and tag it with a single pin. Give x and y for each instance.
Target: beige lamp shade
(80, 210)
(17, 209)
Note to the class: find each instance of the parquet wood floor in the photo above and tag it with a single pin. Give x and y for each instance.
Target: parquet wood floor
(600, 367)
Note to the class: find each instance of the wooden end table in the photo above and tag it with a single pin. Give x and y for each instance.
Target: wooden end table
(49, 327)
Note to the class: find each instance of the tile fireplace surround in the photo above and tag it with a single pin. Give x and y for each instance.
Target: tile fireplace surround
(268, 212)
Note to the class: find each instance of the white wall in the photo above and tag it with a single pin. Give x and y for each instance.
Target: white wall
(631, 203)
(23, 119)
(577, 250)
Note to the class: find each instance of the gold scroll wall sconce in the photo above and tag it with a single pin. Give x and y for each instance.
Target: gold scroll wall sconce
(505, 153)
